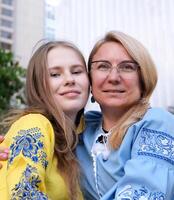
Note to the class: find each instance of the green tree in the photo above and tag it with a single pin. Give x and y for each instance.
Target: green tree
(11, 79)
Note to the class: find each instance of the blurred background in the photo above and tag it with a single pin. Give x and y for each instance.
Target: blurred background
(24, 22)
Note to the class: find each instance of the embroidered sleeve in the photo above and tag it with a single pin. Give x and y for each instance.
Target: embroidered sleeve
(31, 147)
(148, 174)
(29, 143)
(157, 144)
(28, 186)
(141, 192)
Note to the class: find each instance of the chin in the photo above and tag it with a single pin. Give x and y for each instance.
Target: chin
(72, 109)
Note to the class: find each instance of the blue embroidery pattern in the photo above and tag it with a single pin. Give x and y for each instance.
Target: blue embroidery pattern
(128, 193)
(29, 144)
(27, 188)
(157, 144)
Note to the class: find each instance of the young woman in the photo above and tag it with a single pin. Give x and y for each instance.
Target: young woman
(127, 152)
(42, 137)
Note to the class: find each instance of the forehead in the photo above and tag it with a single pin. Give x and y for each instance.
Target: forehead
(62, 56)
(110, 50)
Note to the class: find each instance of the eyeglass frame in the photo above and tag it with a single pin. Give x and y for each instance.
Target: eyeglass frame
(116, 66)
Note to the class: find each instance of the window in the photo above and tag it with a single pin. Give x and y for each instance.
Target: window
(50, 12)
(4, 45)
(8, 2)
(6, 12)
(6, 34)
(6, 23)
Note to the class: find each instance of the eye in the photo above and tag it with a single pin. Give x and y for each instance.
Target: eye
(54, 74)
(103, 67)
(127, 67)
(77, 72)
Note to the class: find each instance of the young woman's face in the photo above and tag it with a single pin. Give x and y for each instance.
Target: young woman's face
(68, 79)
(115, 82)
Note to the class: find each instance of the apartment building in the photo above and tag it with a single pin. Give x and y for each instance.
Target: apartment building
(21, 26)
(6, 24)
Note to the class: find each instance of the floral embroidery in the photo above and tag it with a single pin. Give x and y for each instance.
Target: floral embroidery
(157, 144)
(27, 188)
(128, 193)
(29, 144)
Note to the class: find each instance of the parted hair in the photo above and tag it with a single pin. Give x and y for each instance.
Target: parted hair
(147, 75)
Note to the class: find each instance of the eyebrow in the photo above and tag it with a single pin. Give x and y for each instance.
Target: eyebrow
(107, 61)
(72, 66)
(100, 61)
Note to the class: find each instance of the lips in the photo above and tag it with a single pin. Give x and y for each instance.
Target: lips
(114, 91)
(69, 92)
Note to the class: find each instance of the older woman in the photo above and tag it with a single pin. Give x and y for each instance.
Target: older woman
(127, 152)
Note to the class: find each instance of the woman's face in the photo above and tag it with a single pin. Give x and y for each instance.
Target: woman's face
(68, 79)
(115, 81)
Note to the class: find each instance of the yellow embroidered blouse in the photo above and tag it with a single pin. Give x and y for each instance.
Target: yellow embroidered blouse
(31, 169)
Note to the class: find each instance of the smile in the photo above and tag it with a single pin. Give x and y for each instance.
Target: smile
(114, 91)
(70, 93)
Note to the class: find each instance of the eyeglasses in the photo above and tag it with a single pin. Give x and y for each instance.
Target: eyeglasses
(105, 67)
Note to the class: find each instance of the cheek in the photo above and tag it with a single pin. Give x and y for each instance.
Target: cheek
(96, 82)
(54, 84)
(96, 88)
(133, 85)
(84, 82)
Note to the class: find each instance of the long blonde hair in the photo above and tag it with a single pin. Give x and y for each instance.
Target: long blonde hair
(148, 80)
(40, 100)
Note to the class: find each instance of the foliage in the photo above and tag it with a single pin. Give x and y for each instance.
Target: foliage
(11, 79)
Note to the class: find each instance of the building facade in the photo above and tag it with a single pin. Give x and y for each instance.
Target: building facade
(6, 23)
(21, 26)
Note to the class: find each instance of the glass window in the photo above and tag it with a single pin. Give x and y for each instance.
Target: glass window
(6, 34)
(8, 2)
(4, 45)
(6, 12)
(50, 12)
(6, 23)
(50, 15)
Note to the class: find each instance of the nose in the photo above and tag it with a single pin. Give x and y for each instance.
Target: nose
(69, 79)
(114, 75)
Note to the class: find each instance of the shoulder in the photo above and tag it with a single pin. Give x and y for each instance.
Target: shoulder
(159, 118)
(32, 120)
(159, 114)
(32, 124)
(33, 116)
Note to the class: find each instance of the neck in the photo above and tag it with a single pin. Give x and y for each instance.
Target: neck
(111, 117)
(72, 116)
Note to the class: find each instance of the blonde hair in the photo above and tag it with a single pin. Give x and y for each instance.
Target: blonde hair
(40, 100)
(148, 80)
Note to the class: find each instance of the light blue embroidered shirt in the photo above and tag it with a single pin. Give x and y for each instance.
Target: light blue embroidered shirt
(141, 169)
